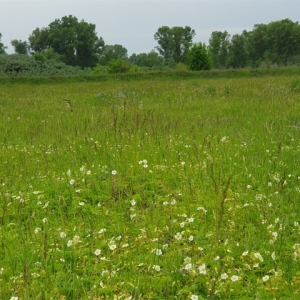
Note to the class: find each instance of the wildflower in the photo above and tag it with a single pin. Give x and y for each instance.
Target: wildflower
(202, 209)
(202, 269)
(275, 234)
(62, 235)
(70, 243)
(112, 246)
(217, 258)
(156, 268)
(187, 260)
(224, 276)
(72, 181)
(188, 267)
(37, 230)
(45, 220)
(194, 297)
(234, 278)
(224, 139)
(191, 238)
(178, 236)
(133, 202)
(76, 239)
(97, 252)
(102, 230)
(266, 278)
(158, 252)
(89, 172)
(273, 255)
(245, 253)
(14, 298)
(191, 220)
(81, 203)
(258, 256)
(113, 172)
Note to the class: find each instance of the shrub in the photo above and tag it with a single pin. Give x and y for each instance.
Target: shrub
(118, 66)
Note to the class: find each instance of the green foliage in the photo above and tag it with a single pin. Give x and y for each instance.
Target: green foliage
(199, 58)
(118, 66)
(219, 43)
(99, 69)
(21, 65)
(273, 44)
(112, 52)
(181, 67)
(238, 54)
(150, 60)
(174, 43)
(20, 47)
(75, 41)
(2, 47)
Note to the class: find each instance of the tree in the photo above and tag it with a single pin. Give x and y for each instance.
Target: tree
(112, 52)
(76, 42)
(2, 47)
(149, 60)
(174, 43)
(238, 56)
(199, 58)
(218, 48)
(20, 47)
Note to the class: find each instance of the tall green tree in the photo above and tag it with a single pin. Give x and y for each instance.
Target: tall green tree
(2, 47)
(20, 47)
(111, 52)
(76, 42)
(150, 60)
(199, 58)
(238, 55)
(174, 43)
(282, 41)
(219, 43)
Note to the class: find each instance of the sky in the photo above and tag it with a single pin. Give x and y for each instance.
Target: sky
(133, 23)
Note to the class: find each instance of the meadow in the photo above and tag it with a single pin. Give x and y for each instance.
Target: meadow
(150, 189)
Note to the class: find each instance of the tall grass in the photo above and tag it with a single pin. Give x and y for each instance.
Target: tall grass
(150, 189)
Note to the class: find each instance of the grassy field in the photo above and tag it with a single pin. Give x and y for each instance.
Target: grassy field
(150, 189)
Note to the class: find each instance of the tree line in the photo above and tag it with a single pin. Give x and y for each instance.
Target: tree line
(76, 43)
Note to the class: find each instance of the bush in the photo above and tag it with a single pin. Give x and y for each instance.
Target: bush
(199, 58)
(37, 65)
(118, 66)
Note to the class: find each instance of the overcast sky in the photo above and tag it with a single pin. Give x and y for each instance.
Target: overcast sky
(133, 23)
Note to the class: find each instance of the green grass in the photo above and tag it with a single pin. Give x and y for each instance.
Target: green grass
(151, 188)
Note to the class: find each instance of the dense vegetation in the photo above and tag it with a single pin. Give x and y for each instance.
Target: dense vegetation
(150, 189)
(68, 41)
